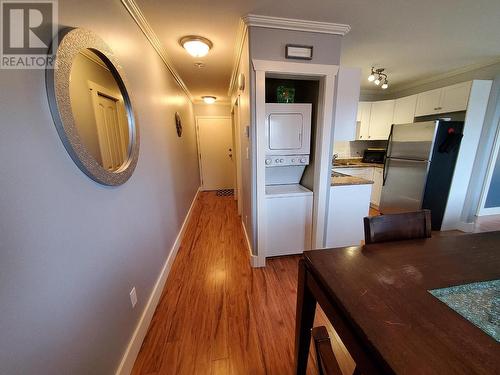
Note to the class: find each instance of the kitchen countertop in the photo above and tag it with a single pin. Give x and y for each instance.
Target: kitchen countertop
(354, 163)
(339, 179)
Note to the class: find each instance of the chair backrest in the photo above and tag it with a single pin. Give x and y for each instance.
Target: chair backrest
(396, 227)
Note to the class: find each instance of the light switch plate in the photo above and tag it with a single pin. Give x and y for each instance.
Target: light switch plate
(133, 297)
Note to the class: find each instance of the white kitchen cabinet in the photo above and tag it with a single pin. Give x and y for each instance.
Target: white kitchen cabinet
(348, 205)
(363, 119)
(381, 116)
(455, 98)
(377, 186)
(428, 102)
(452, 98)
(348, 86)
(404, 110)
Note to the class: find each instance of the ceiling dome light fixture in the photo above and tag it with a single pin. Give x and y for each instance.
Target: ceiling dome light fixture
(209, 99)
(377, 76)
(196, 46)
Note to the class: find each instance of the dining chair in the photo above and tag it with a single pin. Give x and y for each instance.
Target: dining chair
(325, 357)
(396, 227)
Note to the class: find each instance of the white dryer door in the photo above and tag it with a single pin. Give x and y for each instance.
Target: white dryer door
(285, 131)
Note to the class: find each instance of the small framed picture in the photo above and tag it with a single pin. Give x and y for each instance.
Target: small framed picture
(299, 52)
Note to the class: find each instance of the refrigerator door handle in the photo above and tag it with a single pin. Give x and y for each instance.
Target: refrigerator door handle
(384, 175)
(389, 140)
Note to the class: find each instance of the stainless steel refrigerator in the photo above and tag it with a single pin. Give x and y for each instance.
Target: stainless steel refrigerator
(419, 167)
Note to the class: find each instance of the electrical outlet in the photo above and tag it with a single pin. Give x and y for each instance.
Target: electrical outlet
(133, 297)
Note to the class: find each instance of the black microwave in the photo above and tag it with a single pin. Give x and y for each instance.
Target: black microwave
(374, 155)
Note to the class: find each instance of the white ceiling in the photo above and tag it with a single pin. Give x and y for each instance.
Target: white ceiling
(411, 39)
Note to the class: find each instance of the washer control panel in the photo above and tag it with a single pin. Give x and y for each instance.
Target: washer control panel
(286, 160)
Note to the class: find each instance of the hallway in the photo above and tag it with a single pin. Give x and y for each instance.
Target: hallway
(217, 315)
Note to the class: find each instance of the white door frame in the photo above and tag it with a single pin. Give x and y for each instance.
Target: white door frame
(482, 211)
(198, 141)
(237, 151)
(324, 134)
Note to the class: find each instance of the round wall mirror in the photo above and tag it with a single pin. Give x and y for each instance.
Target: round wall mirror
(91, 108)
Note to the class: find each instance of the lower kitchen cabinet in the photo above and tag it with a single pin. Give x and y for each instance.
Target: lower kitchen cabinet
(368, 173)
(377, 187)
(348, 205)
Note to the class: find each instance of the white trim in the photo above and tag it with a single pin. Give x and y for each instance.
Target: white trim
(489, 175)
(93, 58)
(490, 211)
(321, 187)
(134, 345)
(146, 28)
(255, 261)
(474, 122)
(295, 24)
(465, 227)
(240, 42)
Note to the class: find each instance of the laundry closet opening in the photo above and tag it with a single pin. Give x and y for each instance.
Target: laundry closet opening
(291, 128)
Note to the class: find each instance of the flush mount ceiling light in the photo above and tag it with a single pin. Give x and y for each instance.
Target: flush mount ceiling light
(377, 76)
(196, 46)
(209, 99)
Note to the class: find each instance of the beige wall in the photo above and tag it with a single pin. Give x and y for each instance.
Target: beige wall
(70, 249)
(216, 109)
(246, 191)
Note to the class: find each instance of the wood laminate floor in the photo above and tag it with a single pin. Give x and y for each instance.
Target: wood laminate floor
(217, 315)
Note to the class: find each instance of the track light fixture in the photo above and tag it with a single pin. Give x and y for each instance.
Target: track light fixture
(377, 76)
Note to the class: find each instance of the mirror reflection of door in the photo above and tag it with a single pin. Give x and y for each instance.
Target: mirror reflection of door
(112, 133)
(216, 152)
(99, 110)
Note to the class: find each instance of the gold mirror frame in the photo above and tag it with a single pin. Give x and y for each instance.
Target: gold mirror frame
(71, 42)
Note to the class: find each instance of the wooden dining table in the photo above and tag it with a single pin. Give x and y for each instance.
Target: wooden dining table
(377, 298)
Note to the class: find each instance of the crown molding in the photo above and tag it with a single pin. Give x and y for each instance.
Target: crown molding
(238, 50)
(93, 58)
(439, 77)
(153, 39)
(295, 24)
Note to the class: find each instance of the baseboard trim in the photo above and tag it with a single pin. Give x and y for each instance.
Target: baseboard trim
(128, 359)
(465, 227)
(255, 260)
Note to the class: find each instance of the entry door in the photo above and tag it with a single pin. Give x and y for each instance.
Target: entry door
(215, 149)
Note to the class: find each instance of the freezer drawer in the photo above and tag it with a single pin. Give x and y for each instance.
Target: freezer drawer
(403, 185)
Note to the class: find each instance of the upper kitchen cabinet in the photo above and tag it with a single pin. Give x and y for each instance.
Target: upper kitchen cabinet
(404, 110)
(363, 119)
(381, 116)
(446, 99)
(455, 98)
(428, 102)
(348, 86)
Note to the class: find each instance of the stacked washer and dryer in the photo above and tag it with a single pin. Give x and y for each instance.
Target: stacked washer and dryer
(289, 204)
